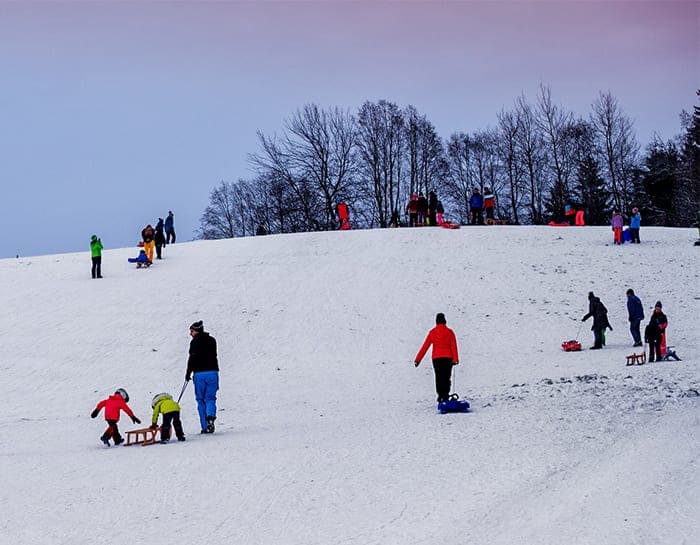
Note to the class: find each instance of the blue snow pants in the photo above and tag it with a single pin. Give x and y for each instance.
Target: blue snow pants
(206, 384)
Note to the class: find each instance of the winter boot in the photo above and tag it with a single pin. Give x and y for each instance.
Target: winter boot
(210, 424)
(181, 438)
(105, 440)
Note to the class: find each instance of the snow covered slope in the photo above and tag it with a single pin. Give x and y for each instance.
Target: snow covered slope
(327, 434)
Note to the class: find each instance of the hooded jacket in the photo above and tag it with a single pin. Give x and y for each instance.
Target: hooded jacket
(95, 246)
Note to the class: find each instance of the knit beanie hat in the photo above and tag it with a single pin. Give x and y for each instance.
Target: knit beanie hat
(93, 238)
(440, 318)
(198, 326)
(658, 304)
(590, 295)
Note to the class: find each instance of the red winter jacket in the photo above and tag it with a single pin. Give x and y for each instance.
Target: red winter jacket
(113, 404)
(444, 344)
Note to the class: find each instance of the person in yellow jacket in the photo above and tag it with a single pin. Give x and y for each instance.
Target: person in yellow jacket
(164, 403)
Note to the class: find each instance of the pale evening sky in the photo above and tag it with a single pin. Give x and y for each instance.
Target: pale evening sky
(114, 113)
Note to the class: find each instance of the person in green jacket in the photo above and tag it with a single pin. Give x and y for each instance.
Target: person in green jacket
(164, 403)
(96, 251)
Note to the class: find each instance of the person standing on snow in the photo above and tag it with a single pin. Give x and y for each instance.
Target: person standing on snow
(635, 310)
(655, 333)
(597, 310)
(203, 364)
(164, 403)
(445, 355)
(96, 253)
(476, 207)
(170, 228)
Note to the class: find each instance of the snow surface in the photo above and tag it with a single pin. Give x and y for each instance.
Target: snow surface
(327, 434)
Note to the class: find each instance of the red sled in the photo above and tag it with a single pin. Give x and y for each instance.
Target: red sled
(449, 225)
(571, 346)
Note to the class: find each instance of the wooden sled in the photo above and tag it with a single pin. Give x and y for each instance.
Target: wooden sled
(493, 221)
(637, 359)
(142, 436)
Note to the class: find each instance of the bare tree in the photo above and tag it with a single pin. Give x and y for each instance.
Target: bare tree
(380, 153)
(509, 127)
(314, 157)
(553, 121)
(530, 143)
(619, 148)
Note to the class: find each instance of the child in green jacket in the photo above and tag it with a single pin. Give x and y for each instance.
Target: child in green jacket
(164, 403)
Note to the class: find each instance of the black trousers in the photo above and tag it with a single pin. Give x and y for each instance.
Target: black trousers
(170, 236)
(654, 349)
(112, 432)
(443, 377)
(173, 419)
(159, 249)
(97, 267)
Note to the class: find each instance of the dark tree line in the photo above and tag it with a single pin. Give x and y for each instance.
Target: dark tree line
(538, 158)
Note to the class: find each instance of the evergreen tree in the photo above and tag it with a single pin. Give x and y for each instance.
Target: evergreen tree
(660, 180)
(590, 192)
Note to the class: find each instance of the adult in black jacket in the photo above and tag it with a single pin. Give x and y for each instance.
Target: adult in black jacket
(655, 331)
(597, 310)
(203, 365)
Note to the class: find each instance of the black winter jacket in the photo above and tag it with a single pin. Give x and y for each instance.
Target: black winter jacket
(202, 354)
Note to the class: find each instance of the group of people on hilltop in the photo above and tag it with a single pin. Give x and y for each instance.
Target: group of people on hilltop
(617, 223)
(202, 368)
(151, 239)
(430, 211)
(654, 333)
(422, 211)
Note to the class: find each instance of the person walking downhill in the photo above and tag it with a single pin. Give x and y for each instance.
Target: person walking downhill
(635, 311)
(203, 364)
(445, 355)
(96, 253)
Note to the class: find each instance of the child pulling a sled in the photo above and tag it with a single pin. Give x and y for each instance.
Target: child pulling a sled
(445, 355)
(112, 406)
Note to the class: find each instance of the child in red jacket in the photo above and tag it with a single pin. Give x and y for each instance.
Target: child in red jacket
(113, 405)
(444, 355)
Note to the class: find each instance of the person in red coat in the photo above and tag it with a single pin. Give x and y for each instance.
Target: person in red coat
(112, 406)
(445, 355)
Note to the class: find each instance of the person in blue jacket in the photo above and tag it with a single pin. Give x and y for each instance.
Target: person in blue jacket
(476, 207)
(635, 223)
(635, 310)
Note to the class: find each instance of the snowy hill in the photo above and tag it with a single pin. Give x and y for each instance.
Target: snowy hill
(327, 434)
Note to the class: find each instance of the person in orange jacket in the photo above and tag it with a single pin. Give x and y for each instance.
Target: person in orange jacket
(445, 355)
(112, 406)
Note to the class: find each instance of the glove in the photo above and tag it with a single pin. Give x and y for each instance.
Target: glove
(455, 363)
(154, 426)
(583, 319)
(188, 377)
(94, 413)
(416, 363)
(135, 420)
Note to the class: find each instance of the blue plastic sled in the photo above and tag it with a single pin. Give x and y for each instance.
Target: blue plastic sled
(453, 405)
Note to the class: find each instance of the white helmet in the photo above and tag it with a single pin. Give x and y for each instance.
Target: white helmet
(160, 397)
(122, 392)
